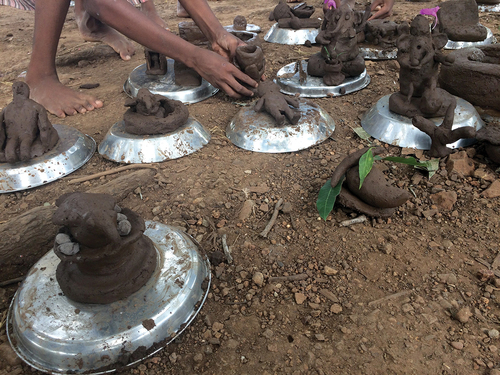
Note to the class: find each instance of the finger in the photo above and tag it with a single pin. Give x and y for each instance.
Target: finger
(229, 91)
(244, 78)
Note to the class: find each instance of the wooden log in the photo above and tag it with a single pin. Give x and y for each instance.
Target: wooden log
(27, 237)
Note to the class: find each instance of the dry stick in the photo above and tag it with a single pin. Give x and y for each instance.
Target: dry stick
(227, 252)
(12, 281)
(112, 171)
(356, 220)
(269, 225)
(389, 297)
(299, 277)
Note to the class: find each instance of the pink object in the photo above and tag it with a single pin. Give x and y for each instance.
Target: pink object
(330, 4)
(431, 12)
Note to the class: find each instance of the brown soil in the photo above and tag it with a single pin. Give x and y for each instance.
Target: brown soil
(376, 298)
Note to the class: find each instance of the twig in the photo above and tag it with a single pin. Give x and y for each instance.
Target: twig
(269, 225)
(12, 281)
(112, 171)
(356, 220)
(3, 319)
(389, 297)
(299, 277)
(227, 252)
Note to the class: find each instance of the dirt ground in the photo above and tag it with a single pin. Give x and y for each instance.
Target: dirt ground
(378, 298)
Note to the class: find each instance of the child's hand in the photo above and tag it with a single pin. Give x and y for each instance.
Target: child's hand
(385, 8)
(226, 45)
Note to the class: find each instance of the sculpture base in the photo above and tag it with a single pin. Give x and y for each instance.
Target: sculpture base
(290, 36)
(397, 130)
(123, 147)
(314, 87)
(54, 334)
(165, 85)
(257, 131)
(72, 151)
(372, 53)
(490, 39)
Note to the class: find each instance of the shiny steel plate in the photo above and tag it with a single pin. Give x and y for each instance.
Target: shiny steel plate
(290, 36)
(371, 53)
(72, 151)
(123, 147)
(165, 85)
(250, 28)
(313, 87)
(490, 39)
(56, 335)
(257, 131)
(397, 130)
(488, 8)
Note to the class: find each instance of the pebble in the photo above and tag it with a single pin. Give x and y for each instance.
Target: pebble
(258, 278)
(246, 210)
(156, 210)
(463, 315)
(448, 278)
(62, 238)
(330, 271)
(300, 298)
(457, 345)
(493, 333)
(124, 227)
(69, 248)
(336, 308)
(217, 326)
(320, 337)
(495, 372)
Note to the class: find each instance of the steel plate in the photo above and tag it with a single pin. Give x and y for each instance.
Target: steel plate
(123, 147)
(290, 36)
(72, 151)
(490, 39)
(250, 28)
(165, 85)
(488, 8)
(56, 335)
(397, 130)
(313, 87)
(372, 53)
(257, 131)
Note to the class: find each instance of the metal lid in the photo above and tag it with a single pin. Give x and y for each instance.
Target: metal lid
(490, 39)
(72, 151)
(314, 87)
(165, 85)
(250, 28)
(123, 147)
(371, 53)
(397, 130)
(290, 36)
(54, 334)
(257, 131)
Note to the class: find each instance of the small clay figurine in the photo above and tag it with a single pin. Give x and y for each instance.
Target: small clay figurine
(490, 136)
(250, 59)
(295, 18)
(376, 197)
(459, 20)
(104, 254)
(156, 63)
(384, 33)
(153, 114)
(340, 56)
(25, 129)
(419, 58)
(443, 135)
(240, 23)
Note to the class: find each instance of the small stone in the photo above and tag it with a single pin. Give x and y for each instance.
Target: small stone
(216, 327)
(118, 208)
(447, 278)
(493, 348)
(463, 315)
(62, 238)
(493, 333)
(272, 348)
(121, 217)
(264, 207)
(268, 333)
(69, 248)
(460, 163)
(493, 190)
(287, 208)
(258, 278)
(330, 271)
(156, 210)
(320, 337)
(494, 372)
(407, 308)
(246, 210)
(198, 357)
(444, 199)
(336, 308)
(457, 345)
(124, 228)
(300, 298)
(248, 171)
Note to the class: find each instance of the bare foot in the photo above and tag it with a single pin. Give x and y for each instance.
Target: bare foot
(93, 30)
(59, 99)
(181, 12)
(148, 8)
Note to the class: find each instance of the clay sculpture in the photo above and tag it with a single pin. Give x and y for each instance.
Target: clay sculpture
(490, 136)
(376, 197)
(340, 56)
(294, 18)
(474, 76)
(250, 59)
(150, 114)
(156, 63)
(459, 20)
(443, 134)
(384, 33)
(104, 254)
(419, 58)
(240, 23)
(25, 129)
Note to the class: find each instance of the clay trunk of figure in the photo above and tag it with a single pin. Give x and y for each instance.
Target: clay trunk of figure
(104, 255)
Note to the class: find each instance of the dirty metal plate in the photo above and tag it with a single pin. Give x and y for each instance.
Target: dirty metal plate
(165, 85)
(257, 131)
(72, 151)
(56, 335)
(290, 36)
(313, 87)
(123, 147)
(490, 39)
(397, 130)
(372, 53)
(488, 7)
(251, 28)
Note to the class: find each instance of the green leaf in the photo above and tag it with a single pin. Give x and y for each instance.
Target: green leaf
(430, 166)
(365, 165)
(327, 197)
(361, 133)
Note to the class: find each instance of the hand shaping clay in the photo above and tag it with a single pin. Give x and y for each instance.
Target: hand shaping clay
(153, 114)
(104, 255)
(25, 129)
(459, 19)
(340, 55)
(419, 58)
